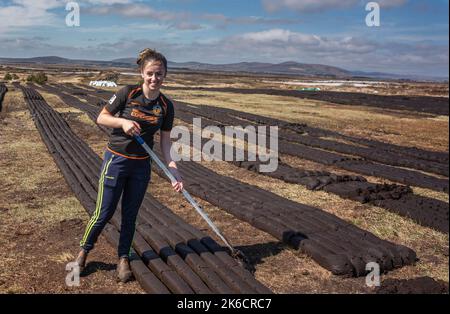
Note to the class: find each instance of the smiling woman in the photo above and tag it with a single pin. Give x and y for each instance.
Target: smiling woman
(142, 110)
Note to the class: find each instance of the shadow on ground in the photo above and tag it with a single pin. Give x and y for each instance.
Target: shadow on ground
(257, 252)
(93, 267)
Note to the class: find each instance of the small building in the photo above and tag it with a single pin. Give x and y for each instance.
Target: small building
(309, 89)
(102, 84)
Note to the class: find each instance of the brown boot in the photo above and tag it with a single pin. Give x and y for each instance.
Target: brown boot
(81, 260)
(124, 273)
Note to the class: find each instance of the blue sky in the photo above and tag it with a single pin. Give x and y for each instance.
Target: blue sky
(412, 37)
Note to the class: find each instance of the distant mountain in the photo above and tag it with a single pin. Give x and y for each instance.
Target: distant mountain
(42, 60)
(286, 68)
(125, 60)
(50, 59)
(290, 68)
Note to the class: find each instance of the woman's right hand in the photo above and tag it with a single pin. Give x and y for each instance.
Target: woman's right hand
(131, 127)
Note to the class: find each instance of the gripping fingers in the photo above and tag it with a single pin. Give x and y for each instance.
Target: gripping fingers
(137, 127)
(134, 130)
(178, 186)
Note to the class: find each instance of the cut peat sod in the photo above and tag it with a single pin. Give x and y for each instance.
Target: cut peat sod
(3, 90)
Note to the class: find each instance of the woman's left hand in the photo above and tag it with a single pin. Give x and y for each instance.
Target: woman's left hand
(178, 185)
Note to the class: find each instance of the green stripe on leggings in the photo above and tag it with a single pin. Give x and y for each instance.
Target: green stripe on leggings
(98, 206)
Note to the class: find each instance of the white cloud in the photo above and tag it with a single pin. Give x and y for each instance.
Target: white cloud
(187, 26)
(25, 13)
(182, 20)
(307, 5)
(306, 42)
(322, 5)
(174, 20)
(32, 13)
(137, 10)
(268, 36)
(223, 21)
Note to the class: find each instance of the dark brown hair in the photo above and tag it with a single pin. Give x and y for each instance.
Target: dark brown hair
(149, 55)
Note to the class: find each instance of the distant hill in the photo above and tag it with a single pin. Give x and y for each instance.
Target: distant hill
(292, 68)
(286, 68)
(49, 60)
(131, 61)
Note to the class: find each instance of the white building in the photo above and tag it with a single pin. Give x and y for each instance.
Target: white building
(102, 84)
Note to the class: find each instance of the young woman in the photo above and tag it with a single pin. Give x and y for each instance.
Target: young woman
(142, 110)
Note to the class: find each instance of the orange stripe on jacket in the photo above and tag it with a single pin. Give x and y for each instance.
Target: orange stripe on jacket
(128, 157)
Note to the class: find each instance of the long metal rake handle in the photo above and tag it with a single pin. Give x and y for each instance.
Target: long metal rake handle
(185, 193)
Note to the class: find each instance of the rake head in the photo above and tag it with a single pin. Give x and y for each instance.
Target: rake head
(242, 260)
